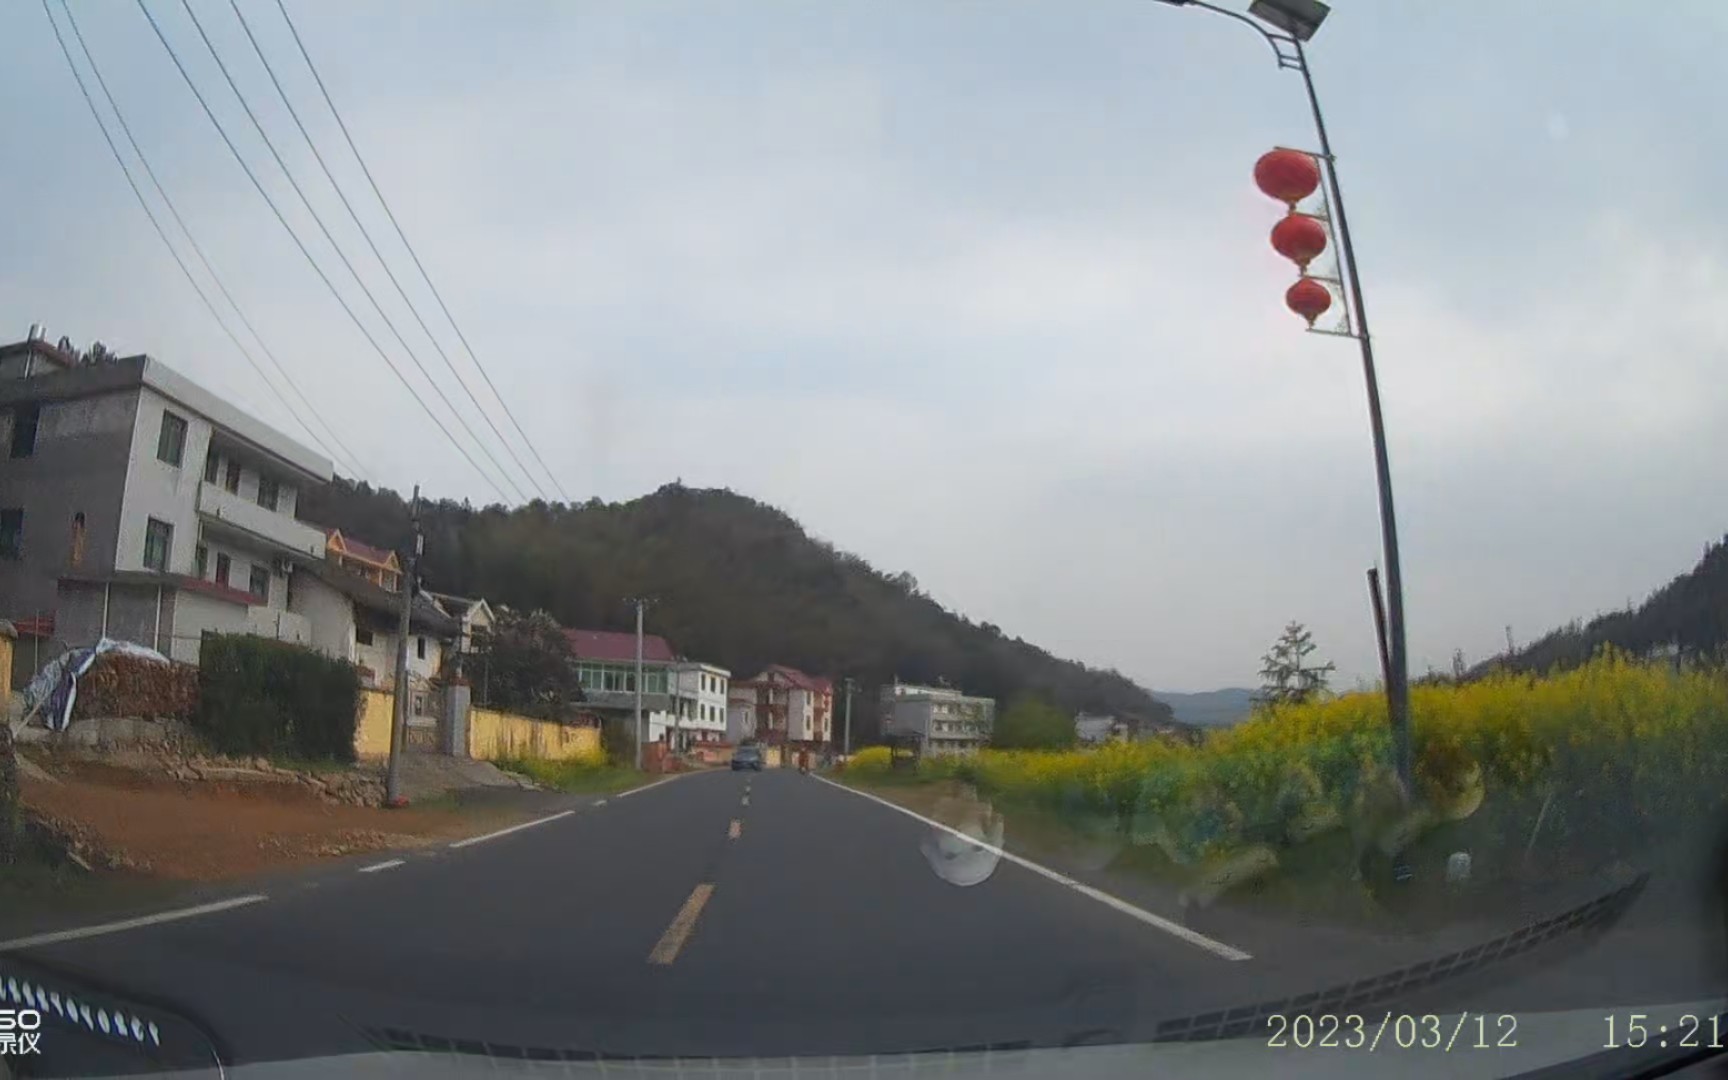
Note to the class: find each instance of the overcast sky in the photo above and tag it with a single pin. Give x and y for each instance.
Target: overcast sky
(977, 290)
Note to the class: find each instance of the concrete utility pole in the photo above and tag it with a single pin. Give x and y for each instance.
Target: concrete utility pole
(846, 732)
(399, 717)
(640, 734)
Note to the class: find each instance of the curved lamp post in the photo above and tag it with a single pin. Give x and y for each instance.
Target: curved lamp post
(1294, 22)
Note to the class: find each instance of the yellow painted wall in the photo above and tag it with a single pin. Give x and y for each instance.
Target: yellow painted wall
(372, 732)
(494, 735)
(5, 668)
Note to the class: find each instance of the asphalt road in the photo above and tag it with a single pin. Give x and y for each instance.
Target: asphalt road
(724, 914)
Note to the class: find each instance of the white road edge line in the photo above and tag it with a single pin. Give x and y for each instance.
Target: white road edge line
(130, 924)
(511, 829)
(655, 784)
(1216, 948)
(375, 867)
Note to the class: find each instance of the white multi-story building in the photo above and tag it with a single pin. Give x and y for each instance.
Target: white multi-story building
(948, 721)
(135, 504)
(698, 705)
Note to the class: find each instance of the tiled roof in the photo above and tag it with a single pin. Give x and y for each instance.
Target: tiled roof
(819, 684)
(615, 645)
(360, 549)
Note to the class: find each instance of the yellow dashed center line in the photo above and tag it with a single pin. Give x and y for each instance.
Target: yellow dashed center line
(734, 829)
(683, 925)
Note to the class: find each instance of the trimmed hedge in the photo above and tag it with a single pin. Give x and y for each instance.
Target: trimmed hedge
(258, 696)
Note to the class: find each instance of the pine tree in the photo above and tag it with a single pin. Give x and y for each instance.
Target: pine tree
(1286, 677)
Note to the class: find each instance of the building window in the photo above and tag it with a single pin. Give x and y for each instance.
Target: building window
(11, 533)
(420, 647)
(268, 493)
(77, 538)
(212, 467)
(171, 442)
(223, 566)
(259, 584)
(233, 478)
(200, 561)
(362, 636)
(25, 419)
(158, 540)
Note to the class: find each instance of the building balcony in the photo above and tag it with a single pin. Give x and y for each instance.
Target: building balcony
(246, 518)
(281, 625)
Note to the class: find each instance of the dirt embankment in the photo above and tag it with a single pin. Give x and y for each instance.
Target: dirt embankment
(209, 822)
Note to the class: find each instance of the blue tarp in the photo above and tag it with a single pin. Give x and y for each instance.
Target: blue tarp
(56, 685)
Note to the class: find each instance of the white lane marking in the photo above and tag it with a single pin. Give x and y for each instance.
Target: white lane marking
(131, 924)
(1216, 948)
(655, 784)
(375, 867)
(511, 829)
(745, 801)
(599, 802)
(735, 829)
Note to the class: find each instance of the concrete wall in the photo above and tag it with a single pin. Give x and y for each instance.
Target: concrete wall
(194, 613)
(493, 734)
(329, 613)
(79, 467)
(372, 727)
(156, 489)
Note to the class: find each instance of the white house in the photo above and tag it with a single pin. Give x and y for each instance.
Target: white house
(135, 504)
(698, 703)
(948, 721)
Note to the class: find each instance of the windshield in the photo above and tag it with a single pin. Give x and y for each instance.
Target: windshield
(1169, 536)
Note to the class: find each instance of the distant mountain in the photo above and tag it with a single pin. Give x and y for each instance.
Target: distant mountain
(1209, 708)
(1688, 616)
(735, 582)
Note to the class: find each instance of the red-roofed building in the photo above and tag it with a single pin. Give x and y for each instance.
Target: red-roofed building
(783, 706)
(618, 645)
(382, 568)
(683, 701)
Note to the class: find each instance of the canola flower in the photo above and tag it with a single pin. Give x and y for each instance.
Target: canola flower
(1625, 749)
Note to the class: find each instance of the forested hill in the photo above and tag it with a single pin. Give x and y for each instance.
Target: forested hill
(1691, 612)
(735, 582)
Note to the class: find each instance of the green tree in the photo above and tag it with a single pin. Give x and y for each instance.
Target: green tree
(1033, 723)
(527, 664)
(1286, 676)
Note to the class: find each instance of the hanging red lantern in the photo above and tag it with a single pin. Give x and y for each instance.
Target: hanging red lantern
(1287, 175)
(1308, 298)
(1299, 238)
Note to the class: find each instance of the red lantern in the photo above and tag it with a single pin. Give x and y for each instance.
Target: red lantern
(1308, 298)
(1287, 175)
(1299, 238)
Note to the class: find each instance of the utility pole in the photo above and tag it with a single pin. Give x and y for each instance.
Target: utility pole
(399, 717)
(846, 732)
(640, 603)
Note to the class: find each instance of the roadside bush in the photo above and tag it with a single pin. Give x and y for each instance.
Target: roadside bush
(118, 684)
(258, 696)
(870, 761)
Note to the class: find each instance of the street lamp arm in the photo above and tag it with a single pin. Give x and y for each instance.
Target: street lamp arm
(1271, 39)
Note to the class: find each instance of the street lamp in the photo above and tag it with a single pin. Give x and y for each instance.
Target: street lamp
(1296, 21)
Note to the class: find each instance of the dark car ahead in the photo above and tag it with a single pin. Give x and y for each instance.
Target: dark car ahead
(747, 757)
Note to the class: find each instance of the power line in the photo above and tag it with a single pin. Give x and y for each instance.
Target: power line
(322, 276)
(131, 182)
(526, 441)
(340, 254)
(352, 462)
(365, 232)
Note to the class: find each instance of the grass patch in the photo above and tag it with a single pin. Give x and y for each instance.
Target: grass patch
(574, 777)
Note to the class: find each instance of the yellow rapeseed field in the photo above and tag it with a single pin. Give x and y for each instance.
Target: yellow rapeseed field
(1621, 748)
